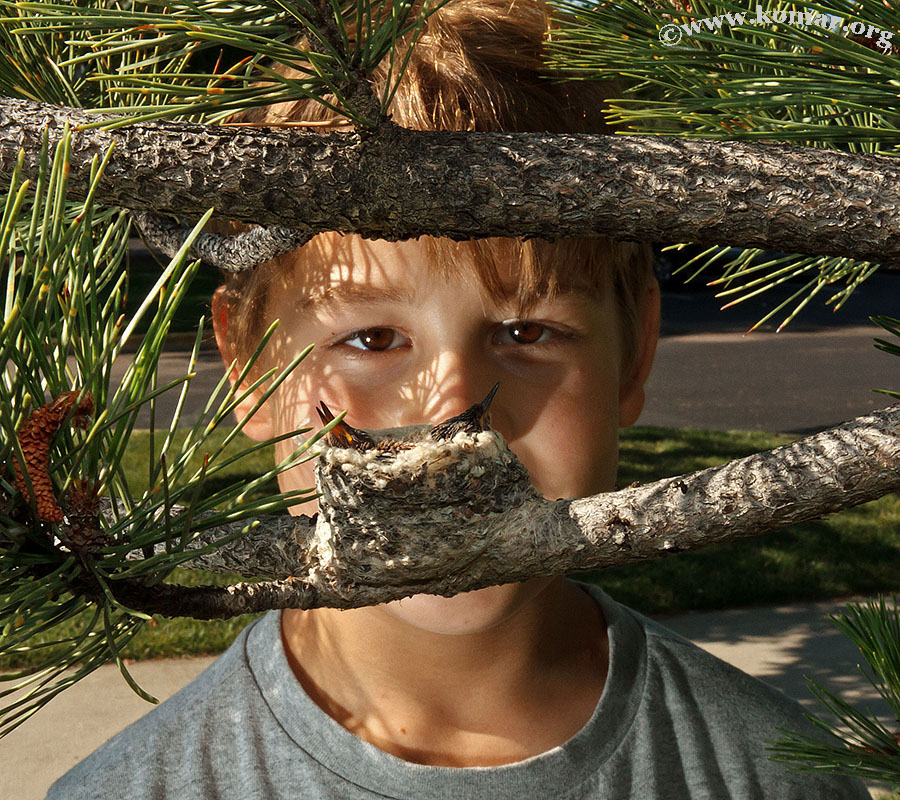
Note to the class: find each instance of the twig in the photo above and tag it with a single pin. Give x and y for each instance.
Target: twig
(230, 253)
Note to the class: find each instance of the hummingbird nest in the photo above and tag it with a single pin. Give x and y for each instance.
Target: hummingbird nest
(411, 504)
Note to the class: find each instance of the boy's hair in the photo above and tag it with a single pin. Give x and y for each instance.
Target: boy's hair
(477, 66)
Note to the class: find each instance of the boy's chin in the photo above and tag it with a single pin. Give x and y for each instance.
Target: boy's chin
(466, 613)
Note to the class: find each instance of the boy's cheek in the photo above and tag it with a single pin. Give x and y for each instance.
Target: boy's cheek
(580, 469)
(570, 447)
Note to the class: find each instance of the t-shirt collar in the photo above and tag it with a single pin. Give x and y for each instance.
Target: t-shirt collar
(555, 773)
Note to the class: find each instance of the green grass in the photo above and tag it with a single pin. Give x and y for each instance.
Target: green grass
(856, 551)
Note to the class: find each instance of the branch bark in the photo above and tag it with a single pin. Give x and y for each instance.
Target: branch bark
(341, 560)
(397, 184)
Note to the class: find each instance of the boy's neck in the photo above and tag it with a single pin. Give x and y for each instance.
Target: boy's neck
(474, 699)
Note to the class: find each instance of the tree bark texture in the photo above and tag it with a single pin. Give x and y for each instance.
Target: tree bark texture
(397, 184)
(417, 539)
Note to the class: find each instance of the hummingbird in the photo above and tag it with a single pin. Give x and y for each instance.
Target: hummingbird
(474, 419)
(342, 434)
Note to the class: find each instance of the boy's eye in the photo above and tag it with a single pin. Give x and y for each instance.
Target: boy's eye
(515, 331)
(525, 332)
(373, 339)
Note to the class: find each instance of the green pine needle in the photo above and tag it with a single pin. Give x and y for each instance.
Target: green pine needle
(146, 62)
(63, 291)
(857, 744)
(768, 82)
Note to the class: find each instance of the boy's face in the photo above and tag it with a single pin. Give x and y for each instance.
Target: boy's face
(396, 345)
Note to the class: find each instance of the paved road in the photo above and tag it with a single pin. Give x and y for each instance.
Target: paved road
(788, 382)
(819, 371)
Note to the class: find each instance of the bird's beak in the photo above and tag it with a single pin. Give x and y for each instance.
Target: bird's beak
(342, 435)
(484, 416)
(474, 419)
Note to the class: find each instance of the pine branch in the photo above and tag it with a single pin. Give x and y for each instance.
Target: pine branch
(346, 558)
(729, 70)
(859, 744)
(235, 253)
(396, 183)
(63, 293)
(735, 70)
(155, 55)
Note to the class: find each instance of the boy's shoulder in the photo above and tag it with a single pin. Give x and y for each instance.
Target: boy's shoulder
(699, 720)
(146, 753)
(243, 728)
(673, 721)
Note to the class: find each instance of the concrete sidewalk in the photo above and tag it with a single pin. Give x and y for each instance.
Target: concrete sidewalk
(778, 644)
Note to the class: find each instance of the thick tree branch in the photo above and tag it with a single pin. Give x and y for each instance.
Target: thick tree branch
(355, 556)
(398, 184)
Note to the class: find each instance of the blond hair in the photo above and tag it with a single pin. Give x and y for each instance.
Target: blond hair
(477, 66)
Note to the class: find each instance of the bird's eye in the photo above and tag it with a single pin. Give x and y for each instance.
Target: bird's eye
(374, 339)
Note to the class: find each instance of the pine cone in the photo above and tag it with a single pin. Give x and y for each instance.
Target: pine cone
(35, 437)
(83, 530)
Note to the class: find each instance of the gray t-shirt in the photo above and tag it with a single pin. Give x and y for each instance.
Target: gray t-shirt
(673, 722)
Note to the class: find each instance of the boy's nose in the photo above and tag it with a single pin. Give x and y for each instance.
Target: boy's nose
(455, 377)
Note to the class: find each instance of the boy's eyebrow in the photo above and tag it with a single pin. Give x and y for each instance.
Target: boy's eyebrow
(348, 294)
(345, 295)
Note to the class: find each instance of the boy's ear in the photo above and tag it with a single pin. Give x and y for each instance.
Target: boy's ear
(259, 426)
(631, 390)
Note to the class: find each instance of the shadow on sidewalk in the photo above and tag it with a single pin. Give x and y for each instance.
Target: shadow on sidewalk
(782, 644)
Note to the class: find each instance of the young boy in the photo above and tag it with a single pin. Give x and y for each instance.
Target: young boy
(543, 689)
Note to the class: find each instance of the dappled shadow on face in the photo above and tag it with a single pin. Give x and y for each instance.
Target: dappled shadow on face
(398, 344)
(333, 289)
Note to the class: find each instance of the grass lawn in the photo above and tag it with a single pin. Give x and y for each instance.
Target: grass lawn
(856, 551)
